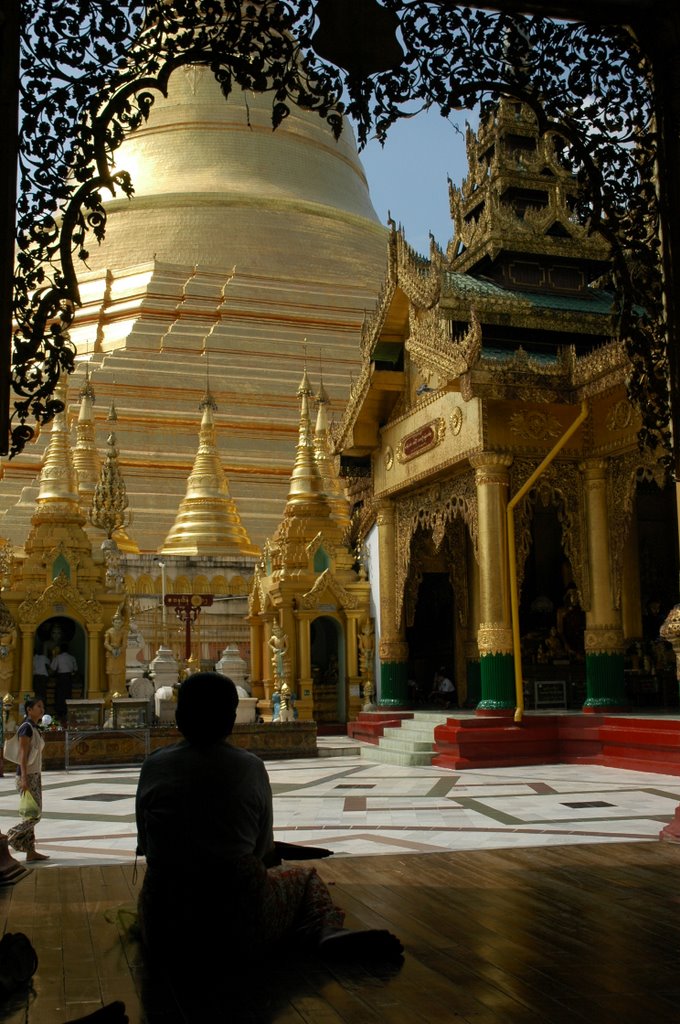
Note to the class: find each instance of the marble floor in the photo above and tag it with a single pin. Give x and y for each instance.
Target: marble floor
(354, 807)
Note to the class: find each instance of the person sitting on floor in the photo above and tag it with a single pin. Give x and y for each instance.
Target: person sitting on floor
(444, 692)
(204, 824)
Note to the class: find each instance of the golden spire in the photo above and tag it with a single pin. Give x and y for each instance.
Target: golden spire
(306, 485)
(207, 520)
(58, 485)
(109, 510)
(85, 454)
(332, 484)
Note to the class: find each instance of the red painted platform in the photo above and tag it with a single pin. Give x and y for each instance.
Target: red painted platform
(637, 743)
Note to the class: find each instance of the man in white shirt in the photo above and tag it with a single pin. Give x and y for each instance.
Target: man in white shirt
(65, 666)
(444, 692)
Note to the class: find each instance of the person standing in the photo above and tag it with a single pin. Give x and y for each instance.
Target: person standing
(65, 666)
(21, 837)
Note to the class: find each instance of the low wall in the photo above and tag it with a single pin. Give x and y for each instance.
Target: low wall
(128, 747)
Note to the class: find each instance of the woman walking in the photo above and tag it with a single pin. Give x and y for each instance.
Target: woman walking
(22, 836)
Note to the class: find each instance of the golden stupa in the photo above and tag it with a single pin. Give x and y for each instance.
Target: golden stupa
(207, 521)
(239, 243)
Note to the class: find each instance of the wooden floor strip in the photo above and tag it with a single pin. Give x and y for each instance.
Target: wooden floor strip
(556, 935)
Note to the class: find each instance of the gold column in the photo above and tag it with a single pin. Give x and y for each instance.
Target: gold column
(352, 644)
(257, 645)
(96, 682)
(603, 635)
(305, 701)
(602, 618)
(267, 681)
(26, 670)
(495, 628)
(353, 693)
(291, 660)
(393, 648)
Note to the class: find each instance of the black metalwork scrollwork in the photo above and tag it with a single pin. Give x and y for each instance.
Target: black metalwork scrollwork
(90, 70)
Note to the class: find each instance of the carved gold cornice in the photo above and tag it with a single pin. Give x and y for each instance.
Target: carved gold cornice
(491, 468)
(328, 584)
(498, 227)
(602, 363)
(494, 638)
(393, 650)
(439, 358)
(357, 396)
(603, 640)
(418, 277)
(61, 593)
(566, 378)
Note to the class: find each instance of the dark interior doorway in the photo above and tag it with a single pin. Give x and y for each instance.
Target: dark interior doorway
(431, 638)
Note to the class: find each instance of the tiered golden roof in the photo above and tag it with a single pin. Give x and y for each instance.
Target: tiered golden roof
(208, 522)
(323, 454)
(86, 457)
(306, 483)
(58, 486)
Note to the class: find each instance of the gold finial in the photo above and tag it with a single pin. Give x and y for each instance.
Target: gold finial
(85, 454)
(109, 510)
(306, 484)
(332, 485)
(58, 486)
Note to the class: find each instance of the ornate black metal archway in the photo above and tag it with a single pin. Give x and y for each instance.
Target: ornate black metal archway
(89, 70)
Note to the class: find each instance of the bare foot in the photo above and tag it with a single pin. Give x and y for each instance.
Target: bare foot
(372, 945)
(33, 856)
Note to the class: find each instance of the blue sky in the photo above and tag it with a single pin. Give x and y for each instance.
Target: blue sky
(408, 176)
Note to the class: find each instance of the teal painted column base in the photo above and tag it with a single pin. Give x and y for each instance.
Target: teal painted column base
(605, 682)
(393, 684)
(473, 677)
(497, 672)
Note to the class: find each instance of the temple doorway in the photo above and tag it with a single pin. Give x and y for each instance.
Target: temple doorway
(651, 674)
(431, 637)
(61, 634)
(328, 670)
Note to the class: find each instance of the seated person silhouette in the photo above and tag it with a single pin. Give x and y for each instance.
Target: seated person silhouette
(204, 824)
(444, 691)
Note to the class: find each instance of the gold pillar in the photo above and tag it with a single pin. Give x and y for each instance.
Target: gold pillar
(393, 648)
(603, 620)
(257, 645)
(352, 644)
(353, 680)
(305, 697)
(390, 630)
(96, 681)
(291, 663)
(494, 636)
(267, 676)
(603, 638)
(492, 479)
(26, 669)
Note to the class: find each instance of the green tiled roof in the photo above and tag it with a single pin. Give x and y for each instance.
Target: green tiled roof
(597, 303)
